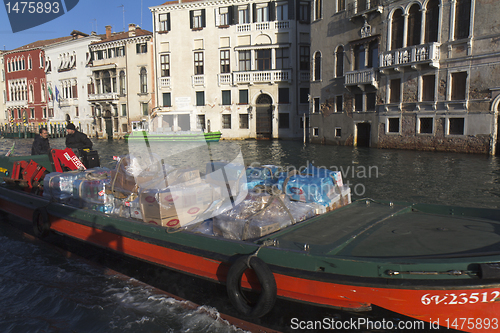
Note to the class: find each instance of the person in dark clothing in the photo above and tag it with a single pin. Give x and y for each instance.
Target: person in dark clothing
(76, 139)
(41, 144)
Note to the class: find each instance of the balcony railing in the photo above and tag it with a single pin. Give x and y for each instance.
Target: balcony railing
(263, 76)
(164, 82)
(104, 96)
(361, 77)
(360, 7)
(305, 76)
(67, 102)
(411, 56)
(21, 103)
(198, 80)
(259, 26)
(225, 79)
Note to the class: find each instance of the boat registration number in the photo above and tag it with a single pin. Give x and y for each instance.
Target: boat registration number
(460, 299)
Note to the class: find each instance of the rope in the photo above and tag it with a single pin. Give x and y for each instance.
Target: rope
(268, 242)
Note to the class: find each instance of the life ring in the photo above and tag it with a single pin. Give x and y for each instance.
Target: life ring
(41, 223)
(267, 296)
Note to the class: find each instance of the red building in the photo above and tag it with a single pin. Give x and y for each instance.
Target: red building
(26, 88)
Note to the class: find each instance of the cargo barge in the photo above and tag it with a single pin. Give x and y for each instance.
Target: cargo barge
(429, 262)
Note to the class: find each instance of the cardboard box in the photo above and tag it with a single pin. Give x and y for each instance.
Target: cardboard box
(127, 183)
(184, 217)
(194, 197)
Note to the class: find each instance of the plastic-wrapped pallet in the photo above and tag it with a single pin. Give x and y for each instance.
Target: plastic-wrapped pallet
(93, 194)
(324, 172)
(265, 175)
(260, 214)
(133, 171)
(58, 186)
(307, 188)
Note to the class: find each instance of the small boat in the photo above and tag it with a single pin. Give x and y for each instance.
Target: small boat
(159, 130)
(437, 264)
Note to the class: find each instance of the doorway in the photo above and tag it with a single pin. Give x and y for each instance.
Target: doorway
(363, 132)
(264, 117)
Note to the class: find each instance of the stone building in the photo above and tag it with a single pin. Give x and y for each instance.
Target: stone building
(406, 74)
(236, 66)
(67, 75)
(122, 87)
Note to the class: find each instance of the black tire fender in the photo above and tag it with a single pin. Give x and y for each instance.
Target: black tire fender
(41, 223)
(267, 282)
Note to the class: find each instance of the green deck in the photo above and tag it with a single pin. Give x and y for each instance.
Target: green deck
(174, 137)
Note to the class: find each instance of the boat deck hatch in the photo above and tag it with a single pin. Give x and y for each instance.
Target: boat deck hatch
(382, 230)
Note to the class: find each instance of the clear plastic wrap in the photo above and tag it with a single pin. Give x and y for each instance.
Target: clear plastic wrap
(260, 214)
(263, 176)
(307, 188)
(133, 171)
(58, 186)
(92, 191)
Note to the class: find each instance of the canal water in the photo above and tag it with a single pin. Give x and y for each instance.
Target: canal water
(42, 291)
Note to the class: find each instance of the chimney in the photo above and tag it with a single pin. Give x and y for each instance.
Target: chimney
(131, 30)
(108, 31)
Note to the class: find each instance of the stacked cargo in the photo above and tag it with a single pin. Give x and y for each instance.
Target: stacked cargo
(230, 201)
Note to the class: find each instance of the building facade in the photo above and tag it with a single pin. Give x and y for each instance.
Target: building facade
(67, 76)
(406, 74)
(122, 84)
(25, 83)
(3, 94)
(236, 66)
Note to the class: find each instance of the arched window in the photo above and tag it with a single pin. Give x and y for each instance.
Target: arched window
(144, 80)
(30, 63)
(32, 94)
(397, 29)
(414, 25)
(462, 19)
(122, 82)
(42, 90)
(339, 61)
(106, 82)
(432, 21)
(317, 66)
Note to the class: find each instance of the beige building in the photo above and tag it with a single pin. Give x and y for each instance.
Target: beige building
(67, 70)
(236, 66)
(122, 86)
(406, 74)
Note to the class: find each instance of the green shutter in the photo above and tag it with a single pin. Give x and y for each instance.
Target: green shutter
(166, 99)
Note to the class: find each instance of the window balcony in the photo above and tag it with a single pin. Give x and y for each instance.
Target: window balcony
(362, 78)
(305, 76)
(13, 104)
(225, 79)
(198, 80)
(413, 56)
(164, 82)
(271, 76)
(260, 26)
(103, 97)
(363, 7)
(67, 102)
